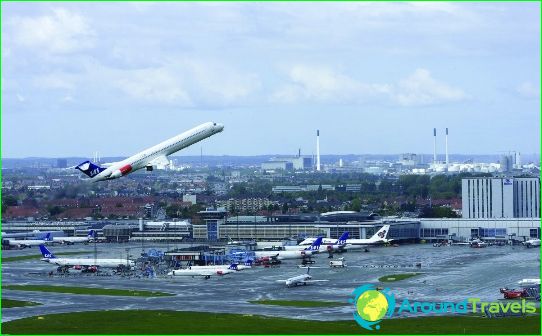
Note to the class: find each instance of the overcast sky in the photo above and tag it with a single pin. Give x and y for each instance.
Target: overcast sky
(373, 77)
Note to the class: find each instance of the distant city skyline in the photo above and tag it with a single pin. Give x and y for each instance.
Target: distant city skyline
(374, 78)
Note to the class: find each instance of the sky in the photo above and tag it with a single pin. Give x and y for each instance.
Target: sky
(374, 78)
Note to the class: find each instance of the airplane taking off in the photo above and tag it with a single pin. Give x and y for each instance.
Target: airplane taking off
(303, 279)
(378, 238)
(73, 240)
(205, 271)
(296, 254)
(151, 156)
(30, 242)
(49, 257)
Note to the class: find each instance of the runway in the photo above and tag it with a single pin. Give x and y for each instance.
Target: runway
(449, 274)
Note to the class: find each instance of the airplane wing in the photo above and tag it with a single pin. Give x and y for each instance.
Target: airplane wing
(281, 281)
(309, 281)
(159, 161)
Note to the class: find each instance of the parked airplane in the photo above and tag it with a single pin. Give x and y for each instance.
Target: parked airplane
(204, 271)
(150, 157)
(534, 242)
(30, 242)
(303, 279)
(336, 245)
(73, 240)
(378, 238)
(297, 254)
(49, 257)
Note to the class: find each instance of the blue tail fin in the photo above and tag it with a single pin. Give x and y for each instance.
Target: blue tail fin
(89, 168)
(342, 239)
(233, 267)
(48, 237)
(315, 246)
(92, 234)
(46, 253)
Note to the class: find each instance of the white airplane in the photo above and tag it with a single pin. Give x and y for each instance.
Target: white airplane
(337, 245)
(296, 254)
(205, 271)
(534, 242)
(303, 279)
(378, 238)
(30, 242)
(49, 257)
(150, 157)
(73, 240)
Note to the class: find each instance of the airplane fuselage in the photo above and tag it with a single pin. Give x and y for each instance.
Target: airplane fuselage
(162, 150)
(106, 263)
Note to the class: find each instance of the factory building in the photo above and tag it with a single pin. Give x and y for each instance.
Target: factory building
(486, 197)
(277, 165)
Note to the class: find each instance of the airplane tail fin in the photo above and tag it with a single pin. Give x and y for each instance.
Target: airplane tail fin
(342, 239)
(89, 168)
(233, 267)
(48, 237)
(92, 234)
(315, 246)
(381, 234)
(46, 253)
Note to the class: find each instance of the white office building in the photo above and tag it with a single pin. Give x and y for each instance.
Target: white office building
(487, 197)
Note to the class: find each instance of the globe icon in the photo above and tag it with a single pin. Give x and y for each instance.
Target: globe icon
(372, 305)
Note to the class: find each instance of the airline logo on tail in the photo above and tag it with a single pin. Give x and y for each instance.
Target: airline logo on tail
(89, 168)
(91, 234)
(233, 267)
(315, 246)
(48, 237)
(342, 239)
(381, 234)
(46, 253)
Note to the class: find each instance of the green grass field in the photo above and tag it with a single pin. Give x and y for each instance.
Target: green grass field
(293, 303)
(9, 303)
(397, 277)
(38, 256)
(173, 322)
(85, 290)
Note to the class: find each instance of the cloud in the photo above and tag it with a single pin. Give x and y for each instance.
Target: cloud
(528, 90)
(61, 32)
(320, 84)
(153, 85)
(421, 88)
(54, 81)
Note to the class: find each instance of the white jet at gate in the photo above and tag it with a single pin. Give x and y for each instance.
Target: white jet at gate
(73, 240)
(380, 237)
(30, 242)
(150, 157)
(303, 279)
(296, 254)
(49, 257)
(205, 271)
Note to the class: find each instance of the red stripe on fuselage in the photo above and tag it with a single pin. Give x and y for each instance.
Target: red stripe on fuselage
(126, 169)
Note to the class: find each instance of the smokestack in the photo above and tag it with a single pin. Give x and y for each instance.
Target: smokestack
(317, 150)
(447, 161)
(299, 153)
(434, 145)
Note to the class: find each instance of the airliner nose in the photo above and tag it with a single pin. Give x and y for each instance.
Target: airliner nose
(219, 127)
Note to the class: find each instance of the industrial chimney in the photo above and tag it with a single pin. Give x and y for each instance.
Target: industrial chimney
(447, 158)
(434, 145)
(317, 150)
